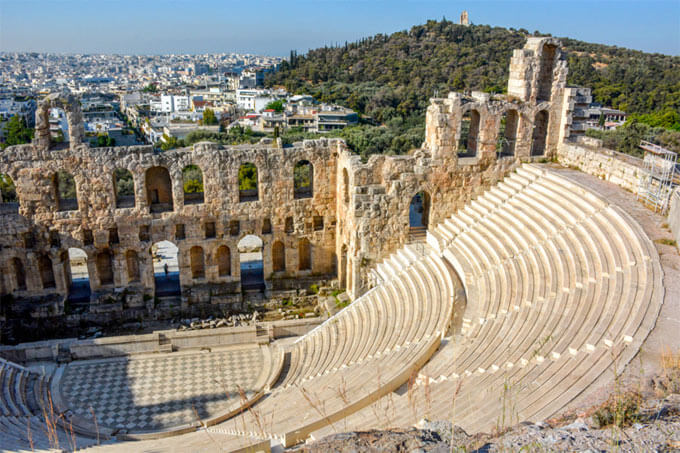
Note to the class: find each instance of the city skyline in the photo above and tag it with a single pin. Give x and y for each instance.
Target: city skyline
(269, 28)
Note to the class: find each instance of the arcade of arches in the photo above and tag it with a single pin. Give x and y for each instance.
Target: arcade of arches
(318, 211)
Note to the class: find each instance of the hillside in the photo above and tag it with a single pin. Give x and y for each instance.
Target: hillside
(390, 78)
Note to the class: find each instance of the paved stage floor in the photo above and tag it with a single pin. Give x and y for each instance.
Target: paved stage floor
(160, 391)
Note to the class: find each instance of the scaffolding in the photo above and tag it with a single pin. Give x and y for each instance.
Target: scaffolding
(657, 178)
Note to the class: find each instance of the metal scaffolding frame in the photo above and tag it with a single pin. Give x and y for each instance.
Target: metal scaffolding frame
(657, 178)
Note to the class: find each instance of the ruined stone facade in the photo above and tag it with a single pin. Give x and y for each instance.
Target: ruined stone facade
(355, 214)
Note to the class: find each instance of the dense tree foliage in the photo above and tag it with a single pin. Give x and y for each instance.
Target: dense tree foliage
(209, 118)
(247, 177)
(102, 141)
(192, 177)
(626, 138)
(7, 189)
(125, 184)
(277, 106)
(389, 79)
(16, 132)
(234, 136)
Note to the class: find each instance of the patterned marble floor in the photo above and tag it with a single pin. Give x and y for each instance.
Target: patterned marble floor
(159, 392)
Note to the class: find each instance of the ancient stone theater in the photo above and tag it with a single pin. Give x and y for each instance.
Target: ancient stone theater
(502, 272)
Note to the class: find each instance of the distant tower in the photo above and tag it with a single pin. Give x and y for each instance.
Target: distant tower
(464, 19)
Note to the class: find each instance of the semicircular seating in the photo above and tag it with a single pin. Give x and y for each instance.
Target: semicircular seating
(364, 352)
(27, 422)
(560, 286)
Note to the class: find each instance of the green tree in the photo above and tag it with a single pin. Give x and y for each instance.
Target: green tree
(7, 189)
(104, 140)
(209, 117)
(16, 132)
(193, 179)
(247, 177)
(275, 105)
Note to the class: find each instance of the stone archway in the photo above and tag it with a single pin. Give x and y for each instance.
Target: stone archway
(165, 257)
(74, 118)
(78, 276)
(250, 249)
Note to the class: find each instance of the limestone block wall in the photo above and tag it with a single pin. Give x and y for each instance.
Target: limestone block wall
(97, 226)
(588, 155)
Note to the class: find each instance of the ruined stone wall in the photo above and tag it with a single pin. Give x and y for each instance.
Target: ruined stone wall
(588, 155)
(358, 215)
(374, 222)
(97, 226)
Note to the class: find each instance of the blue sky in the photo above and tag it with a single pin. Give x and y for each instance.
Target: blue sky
(276, 26)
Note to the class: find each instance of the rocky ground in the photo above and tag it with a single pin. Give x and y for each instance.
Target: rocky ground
(628, 421)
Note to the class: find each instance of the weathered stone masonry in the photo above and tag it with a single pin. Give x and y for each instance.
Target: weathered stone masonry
(357, 215)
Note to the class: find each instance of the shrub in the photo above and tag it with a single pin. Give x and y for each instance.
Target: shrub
(620, 409)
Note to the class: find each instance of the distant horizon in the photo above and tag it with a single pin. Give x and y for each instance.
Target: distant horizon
(183, 27)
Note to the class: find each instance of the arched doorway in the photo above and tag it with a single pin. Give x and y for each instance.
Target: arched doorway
(418, 216)
(469, 132)
(78, 277)
(539, 133)
(278, 257)
(507, 134)
(165, 268)
(250, 258)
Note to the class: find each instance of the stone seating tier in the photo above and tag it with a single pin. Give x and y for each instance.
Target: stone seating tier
(560, 285)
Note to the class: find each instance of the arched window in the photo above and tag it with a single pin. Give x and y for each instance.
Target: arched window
(192, 181)
(19, 273)
(105, 267)
(247, 182)
(507, 134)
(159, 189)
(345, 185)
(65, 188)
(303, 179)
(46, 272)
(197, 262)
(278, 257)
(469, 131)
(304, 255)
(539, 134)
(545, 76)
(223, 257)
(132, 264)
(419, 211)
(124, 187)
(9, 203)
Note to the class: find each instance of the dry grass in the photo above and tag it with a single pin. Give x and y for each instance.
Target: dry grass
(669, 380)
(665, 241)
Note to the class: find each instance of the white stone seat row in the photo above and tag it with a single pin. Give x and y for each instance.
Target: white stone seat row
(23, 407)
(414, 302)
(362, 353)
(290, 414)
(559, 285)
